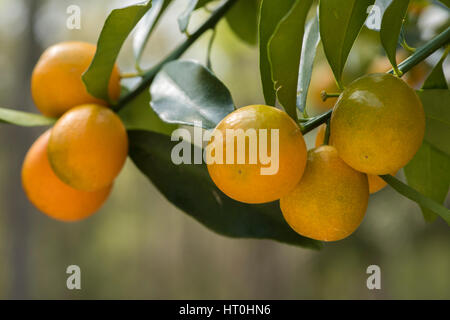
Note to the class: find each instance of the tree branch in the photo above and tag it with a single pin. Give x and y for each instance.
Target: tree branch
(175, 54)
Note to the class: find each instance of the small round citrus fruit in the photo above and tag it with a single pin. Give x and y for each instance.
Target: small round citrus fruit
(49, 194)
(375, 182)
(263, 157)
(330, 200)
(378, 124)
(88, 147)
(320, 137)
(56, 84)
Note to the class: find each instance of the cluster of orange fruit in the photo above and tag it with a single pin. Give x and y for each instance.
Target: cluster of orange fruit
(69, 171)
(377, 126)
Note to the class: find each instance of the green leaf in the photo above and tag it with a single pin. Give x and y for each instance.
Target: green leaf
(190, 188)
(429, 173)
(185, 92)
(243, 20)
(24, 119)
(145, 27)
(436, 79)
(285, 47)
(391, 25)
(310, 41)
(185, 16)
(138, 115)
(271, 12)
(340, 23)
(436, 104)
(416, 196)
(116, 29)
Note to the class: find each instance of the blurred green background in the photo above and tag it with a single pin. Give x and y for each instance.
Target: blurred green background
(139, 246)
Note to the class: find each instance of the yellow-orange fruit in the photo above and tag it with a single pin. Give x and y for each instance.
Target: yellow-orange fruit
(330, 201)
(88, 147)
(56, 84)
(375, 182)
(49, 194)
(378, 124)
(256, 181)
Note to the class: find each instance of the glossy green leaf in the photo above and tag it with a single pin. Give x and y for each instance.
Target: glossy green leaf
(271, 12)
(190, 188)
(116, 29)
(340, 23)
(137, 115)
(145, 27)
(285, 48)
(185, 92)
(418, 197)
(436, 104)
(391, 25)
(243, 20)
(436, 79)
(24, 119)
(429, 173)
(310, 41)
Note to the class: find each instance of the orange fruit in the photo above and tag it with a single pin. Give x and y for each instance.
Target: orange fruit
(56, 84)
(330, 201)
(378, 124)
(88, 147)
(375, 182)
(49, 194)
(320, 137)
(254, 179)
(415, 8)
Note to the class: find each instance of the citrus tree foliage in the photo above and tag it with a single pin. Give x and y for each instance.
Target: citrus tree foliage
(287, 32)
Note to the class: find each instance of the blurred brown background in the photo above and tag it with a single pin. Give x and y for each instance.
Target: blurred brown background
(140, 246)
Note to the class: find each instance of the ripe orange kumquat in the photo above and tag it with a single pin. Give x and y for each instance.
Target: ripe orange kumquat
(56, 84)
(49, 194)
(377, 124)
(245, 181)
(376, 183)
(330, 200)
(88, 147)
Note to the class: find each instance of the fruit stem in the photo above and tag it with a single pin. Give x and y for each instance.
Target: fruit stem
(325, 95)
(175, 54)
(326, 139)
(315, 122)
